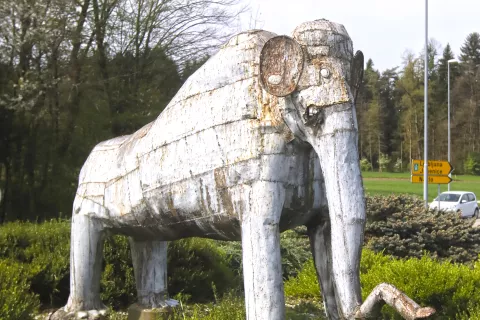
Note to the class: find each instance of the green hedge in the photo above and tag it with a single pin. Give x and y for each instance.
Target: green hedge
(402, 227)
(34, 258)
(16, 299)
(44, 251)
(452, 289)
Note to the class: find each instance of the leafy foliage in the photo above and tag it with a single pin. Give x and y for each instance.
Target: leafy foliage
(401, 226)
(43, 250)
(74, 73)
(365, 165)
(118, 282)
(34, 260)
(448, 287)
(40, 254)
(472, 163)
(305, 284)
(198, 268)
(16, 299)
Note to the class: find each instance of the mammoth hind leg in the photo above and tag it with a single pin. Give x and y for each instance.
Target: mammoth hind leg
(320, 245)
(150, 268)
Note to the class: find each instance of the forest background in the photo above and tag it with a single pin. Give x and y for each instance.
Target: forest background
(77, 72)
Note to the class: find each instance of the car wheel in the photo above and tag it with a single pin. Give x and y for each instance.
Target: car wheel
(459, 213)
(475, 214)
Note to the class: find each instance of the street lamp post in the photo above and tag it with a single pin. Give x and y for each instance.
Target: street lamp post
(449, 158)
(425, 133)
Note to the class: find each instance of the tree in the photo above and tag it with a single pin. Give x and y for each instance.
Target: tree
(470, 51)
(410, 86)
(75, 72)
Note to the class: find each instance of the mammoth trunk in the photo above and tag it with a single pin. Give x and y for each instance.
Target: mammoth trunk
(336, 146)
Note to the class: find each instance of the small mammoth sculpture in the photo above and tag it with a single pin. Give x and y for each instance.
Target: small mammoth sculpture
(262, 138)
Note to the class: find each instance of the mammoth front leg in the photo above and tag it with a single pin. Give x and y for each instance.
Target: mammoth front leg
(85, 265)
(320, 243)
(262, 267)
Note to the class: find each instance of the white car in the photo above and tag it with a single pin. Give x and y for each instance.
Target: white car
(463, 202)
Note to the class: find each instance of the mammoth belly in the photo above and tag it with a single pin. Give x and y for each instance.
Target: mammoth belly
(174, 193)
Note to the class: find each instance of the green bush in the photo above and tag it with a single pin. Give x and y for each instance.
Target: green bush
(44, 249)
(449, 288)
(398, 165)
(196, 266)
(305, 284)
(402, 227)
(16, 300)
(384, 162)
(472, 163)
(365, 165)
(118, 282)
(295, 251)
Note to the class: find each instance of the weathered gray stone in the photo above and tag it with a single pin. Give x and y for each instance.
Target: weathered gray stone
(262, 138)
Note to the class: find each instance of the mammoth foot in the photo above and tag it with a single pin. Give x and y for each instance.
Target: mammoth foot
(387, 293)
(61, 314)
(138, 311)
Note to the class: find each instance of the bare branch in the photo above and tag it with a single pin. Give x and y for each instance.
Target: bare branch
(387, 293)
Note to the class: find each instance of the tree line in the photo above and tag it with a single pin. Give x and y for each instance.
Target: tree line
(77, 72)
(390, 110)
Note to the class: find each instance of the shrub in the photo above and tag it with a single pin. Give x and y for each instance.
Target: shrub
(295, 251)
(450, 288)
(383, 162)
(196, 266)
(365, 165)
(16, 300)
(43, 252)
(305, 284)
(118, 282)
(472, 163)
(44, 249)
(401, 226)
(398, 166)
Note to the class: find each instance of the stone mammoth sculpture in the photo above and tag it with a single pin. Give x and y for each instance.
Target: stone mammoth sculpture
(262, 138)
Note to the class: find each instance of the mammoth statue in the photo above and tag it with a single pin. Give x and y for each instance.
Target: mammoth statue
(262, 138)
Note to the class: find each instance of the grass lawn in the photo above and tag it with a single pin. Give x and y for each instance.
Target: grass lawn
(386, 183)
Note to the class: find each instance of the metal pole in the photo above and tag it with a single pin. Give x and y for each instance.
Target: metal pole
(425, 111)
(450, 174)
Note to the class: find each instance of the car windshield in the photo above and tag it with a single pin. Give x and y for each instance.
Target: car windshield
(449, 197)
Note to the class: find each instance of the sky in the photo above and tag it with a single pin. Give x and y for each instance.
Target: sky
(383, 29)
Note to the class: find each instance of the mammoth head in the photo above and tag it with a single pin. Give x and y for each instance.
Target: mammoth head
(316, 66)
(319, 77)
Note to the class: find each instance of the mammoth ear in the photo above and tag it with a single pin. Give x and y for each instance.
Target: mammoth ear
(281, 64)
(356, 75)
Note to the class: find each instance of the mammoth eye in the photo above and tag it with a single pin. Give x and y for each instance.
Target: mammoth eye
(275, 79)
(325, 73)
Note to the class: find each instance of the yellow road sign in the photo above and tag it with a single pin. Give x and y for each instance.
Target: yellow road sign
(435, 167)
(432, 179)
